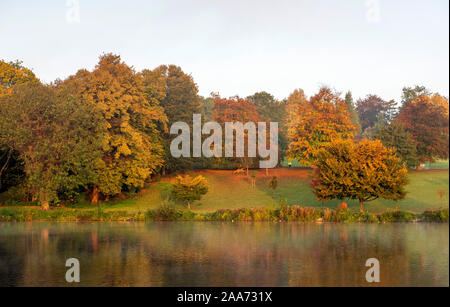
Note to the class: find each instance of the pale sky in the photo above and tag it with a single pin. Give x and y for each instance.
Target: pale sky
(241, 47)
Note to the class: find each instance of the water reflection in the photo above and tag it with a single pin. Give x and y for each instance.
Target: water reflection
(223, 254)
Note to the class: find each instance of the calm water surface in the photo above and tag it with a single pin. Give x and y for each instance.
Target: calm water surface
(223, 254)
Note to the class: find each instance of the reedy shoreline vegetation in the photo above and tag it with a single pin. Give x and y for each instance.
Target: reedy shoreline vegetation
(168, 212)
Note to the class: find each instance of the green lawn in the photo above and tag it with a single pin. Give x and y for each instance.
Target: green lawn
(440, 164)
(231, 191)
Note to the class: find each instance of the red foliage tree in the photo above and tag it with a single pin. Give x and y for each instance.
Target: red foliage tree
(236, 109)
(426, 118)
(370, 108)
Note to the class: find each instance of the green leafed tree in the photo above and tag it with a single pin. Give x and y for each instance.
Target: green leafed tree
(188, 189)
(181, 99)
(273, 110)
(178, 96)
(11, 167)
(352, 111)
(410, 94)
(55, 137)
(396, 136)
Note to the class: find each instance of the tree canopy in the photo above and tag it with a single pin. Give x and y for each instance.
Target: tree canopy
(352, 110)
(363, 170)
(372, 108)
(236, 109)
(56, 139)
(14, 73)
(132, 148)
(395, 136)
(188, 189)
(427, 120)
(316, 122)
(105, 132)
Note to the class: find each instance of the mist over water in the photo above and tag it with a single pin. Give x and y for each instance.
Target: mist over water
(223, 254)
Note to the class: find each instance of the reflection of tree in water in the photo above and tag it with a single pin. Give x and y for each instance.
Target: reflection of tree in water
(225, 254)
(11, 263)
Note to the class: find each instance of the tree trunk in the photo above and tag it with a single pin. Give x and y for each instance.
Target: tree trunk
(189, 205)
(247, 171)
(94, 196)
(43, 200)
(5, 165)
(361, 206)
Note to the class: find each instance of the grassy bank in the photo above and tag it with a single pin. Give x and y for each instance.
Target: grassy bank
(232, 191)
(427, 190)
(166, 212)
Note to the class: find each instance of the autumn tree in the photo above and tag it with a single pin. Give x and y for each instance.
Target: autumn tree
(14, 73)
(427, 120)
(188, 189)
(269, 108)
(56, 139)
(296, 100)
(232, 110)
(132, 148)
(371, 108)
(154, 84)
(273, 110)
(410, 94)
(316, 122)
(395, 136)
(364, 171)
(441, 102)
(178, 95)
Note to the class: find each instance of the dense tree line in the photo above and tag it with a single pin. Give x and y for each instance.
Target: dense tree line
(105, 131)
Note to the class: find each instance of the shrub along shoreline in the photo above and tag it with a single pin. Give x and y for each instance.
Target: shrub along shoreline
(170, 213)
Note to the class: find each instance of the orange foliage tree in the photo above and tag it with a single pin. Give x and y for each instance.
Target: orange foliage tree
(13, 73)
(236, 109)
(132, 149)
(364, 171)
(316, 122)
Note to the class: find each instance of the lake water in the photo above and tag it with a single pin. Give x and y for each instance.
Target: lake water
(223, 254)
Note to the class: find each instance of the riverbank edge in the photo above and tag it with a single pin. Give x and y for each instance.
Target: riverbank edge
(170, 213)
